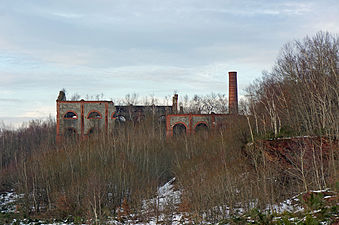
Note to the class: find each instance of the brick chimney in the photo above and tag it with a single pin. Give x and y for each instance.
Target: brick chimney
(233, 93)
(175, 104)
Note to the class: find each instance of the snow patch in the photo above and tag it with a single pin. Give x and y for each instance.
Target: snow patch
(7, 201)
(166, 196)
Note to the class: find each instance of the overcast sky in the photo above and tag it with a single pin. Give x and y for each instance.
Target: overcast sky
(148, 47)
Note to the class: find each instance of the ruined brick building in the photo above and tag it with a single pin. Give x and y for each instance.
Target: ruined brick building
(83, 118)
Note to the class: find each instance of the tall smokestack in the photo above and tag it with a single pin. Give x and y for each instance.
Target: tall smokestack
(175, 104)
(233, 93)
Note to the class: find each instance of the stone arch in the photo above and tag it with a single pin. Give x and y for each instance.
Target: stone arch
(179, 129)
(70, 115)
(201, 128)
(94, 114)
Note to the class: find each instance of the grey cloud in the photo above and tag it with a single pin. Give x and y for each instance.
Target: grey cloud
(107, 34)
(146, 46)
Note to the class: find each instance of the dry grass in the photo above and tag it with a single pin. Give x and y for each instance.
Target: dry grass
(93, 178)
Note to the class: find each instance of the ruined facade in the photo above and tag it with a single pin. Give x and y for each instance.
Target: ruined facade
(193, 123)
(83, 118)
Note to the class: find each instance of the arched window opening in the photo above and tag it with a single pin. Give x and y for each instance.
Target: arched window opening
(94, 115)
(179, 129)
(201, 128)
(70, 115)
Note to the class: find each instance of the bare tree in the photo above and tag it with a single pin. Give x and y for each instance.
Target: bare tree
(302, 90)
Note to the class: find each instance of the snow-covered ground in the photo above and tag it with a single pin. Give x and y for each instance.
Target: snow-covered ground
(7, 201)
(164, 208)
(164, 205)
(295, 205)
(166, 196)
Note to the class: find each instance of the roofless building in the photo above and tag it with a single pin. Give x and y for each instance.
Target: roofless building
(84, 118)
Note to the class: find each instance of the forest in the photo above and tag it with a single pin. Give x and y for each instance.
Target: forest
(286, 144)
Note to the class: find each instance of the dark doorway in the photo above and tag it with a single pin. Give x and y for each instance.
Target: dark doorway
(201, 128)
(179, 129)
